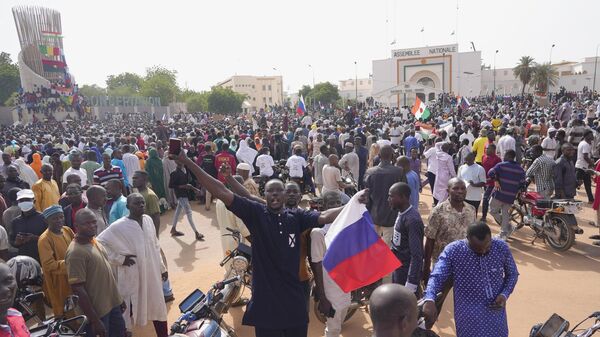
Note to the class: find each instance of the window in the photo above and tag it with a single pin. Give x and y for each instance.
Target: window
(269, 87)
(505, 72)
(264, 100)
(264, 87)
(270, 99)
(253, 86)
(254, 99)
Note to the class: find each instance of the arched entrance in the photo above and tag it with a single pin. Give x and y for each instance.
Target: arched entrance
(429, 81)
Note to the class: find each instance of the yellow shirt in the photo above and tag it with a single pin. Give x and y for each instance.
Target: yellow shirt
(46, 194)
(53, 249)
(479, 147)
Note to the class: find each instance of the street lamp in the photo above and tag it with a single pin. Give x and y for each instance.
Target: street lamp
(313, 73)
(595, 65)
(280, 87)
(550, 70)
(495, 72)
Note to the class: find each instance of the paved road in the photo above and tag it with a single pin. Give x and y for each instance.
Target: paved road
(566, 283)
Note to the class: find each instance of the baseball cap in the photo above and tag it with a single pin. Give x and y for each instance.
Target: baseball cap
(25, 194)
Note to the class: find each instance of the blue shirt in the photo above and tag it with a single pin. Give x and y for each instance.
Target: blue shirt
(407, 243)
(511, 177)
(412, 179)
(278, 300)
(409, 143)
(121, 165)
(478, 280)
(118, 210)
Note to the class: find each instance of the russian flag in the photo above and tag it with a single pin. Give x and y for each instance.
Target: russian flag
(356, 256)
(464, 103)
(301, 109)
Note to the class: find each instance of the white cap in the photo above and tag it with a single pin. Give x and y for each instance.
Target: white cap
(25, 194)
(243, 166)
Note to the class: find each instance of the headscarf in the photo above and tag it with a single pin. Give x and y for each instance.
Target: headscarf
(233, 145)
(246, 154)
(140, 156)
(36, 165)
(154, 168)
(26, 173)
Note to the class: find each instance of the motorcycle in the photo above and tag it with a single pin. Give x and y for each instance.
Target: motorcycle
(348, 179)
(551, 219)
(58, 327)
(200, 314)
(557, 326)
(241, 266)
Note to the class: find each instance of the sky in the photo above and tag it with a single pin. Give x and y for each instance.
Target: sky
(209, 41)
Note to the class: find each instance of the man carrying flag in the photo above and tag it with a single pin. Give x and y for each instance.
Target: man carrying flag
(278, 305)
(420, 110)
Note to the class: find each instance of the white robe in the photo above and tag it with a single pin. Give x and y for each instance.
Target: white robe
(140, 285)
(246, 154)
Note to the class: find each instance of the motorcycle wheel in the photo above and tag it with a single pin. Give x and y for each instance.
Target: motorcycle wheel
(562, 236)
(516, 217)
(322, 317)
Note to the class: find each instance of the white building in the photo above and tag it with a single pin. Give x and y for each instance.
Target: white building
(351, 88)
(571, 75)
(261, 91)
(426, 72)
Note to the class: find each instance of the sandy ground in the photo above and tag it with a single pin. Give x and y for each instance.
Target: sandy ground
(566, 283)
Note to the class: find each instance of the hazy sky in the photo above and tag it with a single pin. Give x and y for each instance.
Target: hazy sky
(208, 41)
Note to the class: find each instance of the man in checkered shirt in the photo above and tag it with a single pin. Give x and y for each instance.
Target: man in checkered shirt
(542, 171)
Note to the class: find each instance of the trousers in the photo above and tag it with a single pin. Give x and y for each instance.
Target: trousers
(501, 213)
(300, 331)
(486, 201)
(333, 326)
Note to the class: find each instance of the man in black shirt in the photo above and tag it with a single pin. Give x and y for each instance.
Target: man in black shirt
(13, 180)
(28, 227)
(278, 305)
(180, 182)
(208, 165)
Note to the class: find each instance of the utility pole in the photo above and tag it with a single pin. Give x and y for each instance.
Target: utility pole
(355, 86)
(495, 72)
(595, 65)
(550, 70)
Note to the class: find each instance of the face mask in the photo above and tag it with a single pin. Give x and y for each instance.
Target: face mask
(26, 206)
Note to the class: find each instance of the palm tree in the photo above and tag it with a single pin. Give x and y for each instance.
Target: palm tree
(544, 75)
(524, 71)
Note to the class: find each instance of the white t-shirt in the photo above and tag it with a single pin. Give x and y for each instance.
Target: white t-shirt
(336, 296)
(468, 136)
(476, 174)
(3, 239)
(550, 144)
(296, 164)
(265, 164)
(430, 155)
(331, 177)
(81, 172)
(583, 148)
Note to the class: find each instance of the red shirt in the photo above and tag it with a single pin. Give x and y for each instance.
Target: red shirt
(15, 326)
(488, 163)
(224, 157)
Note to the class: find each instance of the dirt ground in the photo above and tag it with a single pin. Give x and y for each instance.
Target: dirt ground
(566, 283)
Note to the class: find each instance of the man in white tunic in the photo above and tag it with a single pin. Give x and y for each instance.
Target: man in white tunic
(133, 249)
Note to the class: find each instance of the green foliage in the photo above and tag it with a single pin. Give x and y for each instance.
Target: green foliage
(196, 101)
(9, 77)
(544, 74)
(524, 71)
(122, 91)
(12, 100)
(92, 90)
(132, 82)
(325, 93)
(160, 82)
(224, 100)
(305, 91)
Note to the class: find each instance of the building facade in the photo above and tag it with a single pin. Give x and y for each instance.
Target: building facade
(260, 91)
(426, 72)
(351, 88)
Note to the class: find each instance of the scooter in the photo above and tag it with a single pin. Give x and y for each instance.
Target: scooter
(200, 315)
(557, 326)
(59, 327)
(241, 266)
(551, 219)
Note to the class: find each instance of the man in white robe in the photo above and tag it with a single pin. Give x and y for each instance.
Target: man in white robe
(138, 265)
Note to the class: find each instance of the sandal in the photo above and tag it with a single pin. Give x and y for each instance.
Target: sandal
(199, 237)
(176, 233)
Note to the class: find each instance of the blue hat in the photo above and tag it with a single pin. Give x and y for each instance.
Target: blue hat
(50, 211)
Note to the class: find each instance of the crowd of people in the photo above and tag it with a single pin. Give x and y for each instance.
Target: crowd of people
(85, 198)
(59, 97)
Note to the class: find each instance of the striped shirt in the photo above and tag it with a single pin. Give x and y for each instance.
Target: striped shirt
(511, 177)
(542, 170)
(102, 175)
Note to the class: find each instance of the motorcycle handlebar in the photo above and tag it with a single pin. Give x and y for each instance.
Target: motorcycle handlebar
(222, 284)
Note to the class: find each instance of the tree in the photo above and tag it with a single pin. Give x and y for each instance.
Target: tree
(197, 101)
(125, 80)
(225, 100)
(524, 71)
(305, 91)
(325, 93)
(92, 90)
(9, 77)
(160, 82)
(544, 75)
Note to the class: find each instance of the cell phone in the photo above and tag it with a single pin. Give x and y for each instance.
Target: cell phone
(174, 146)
